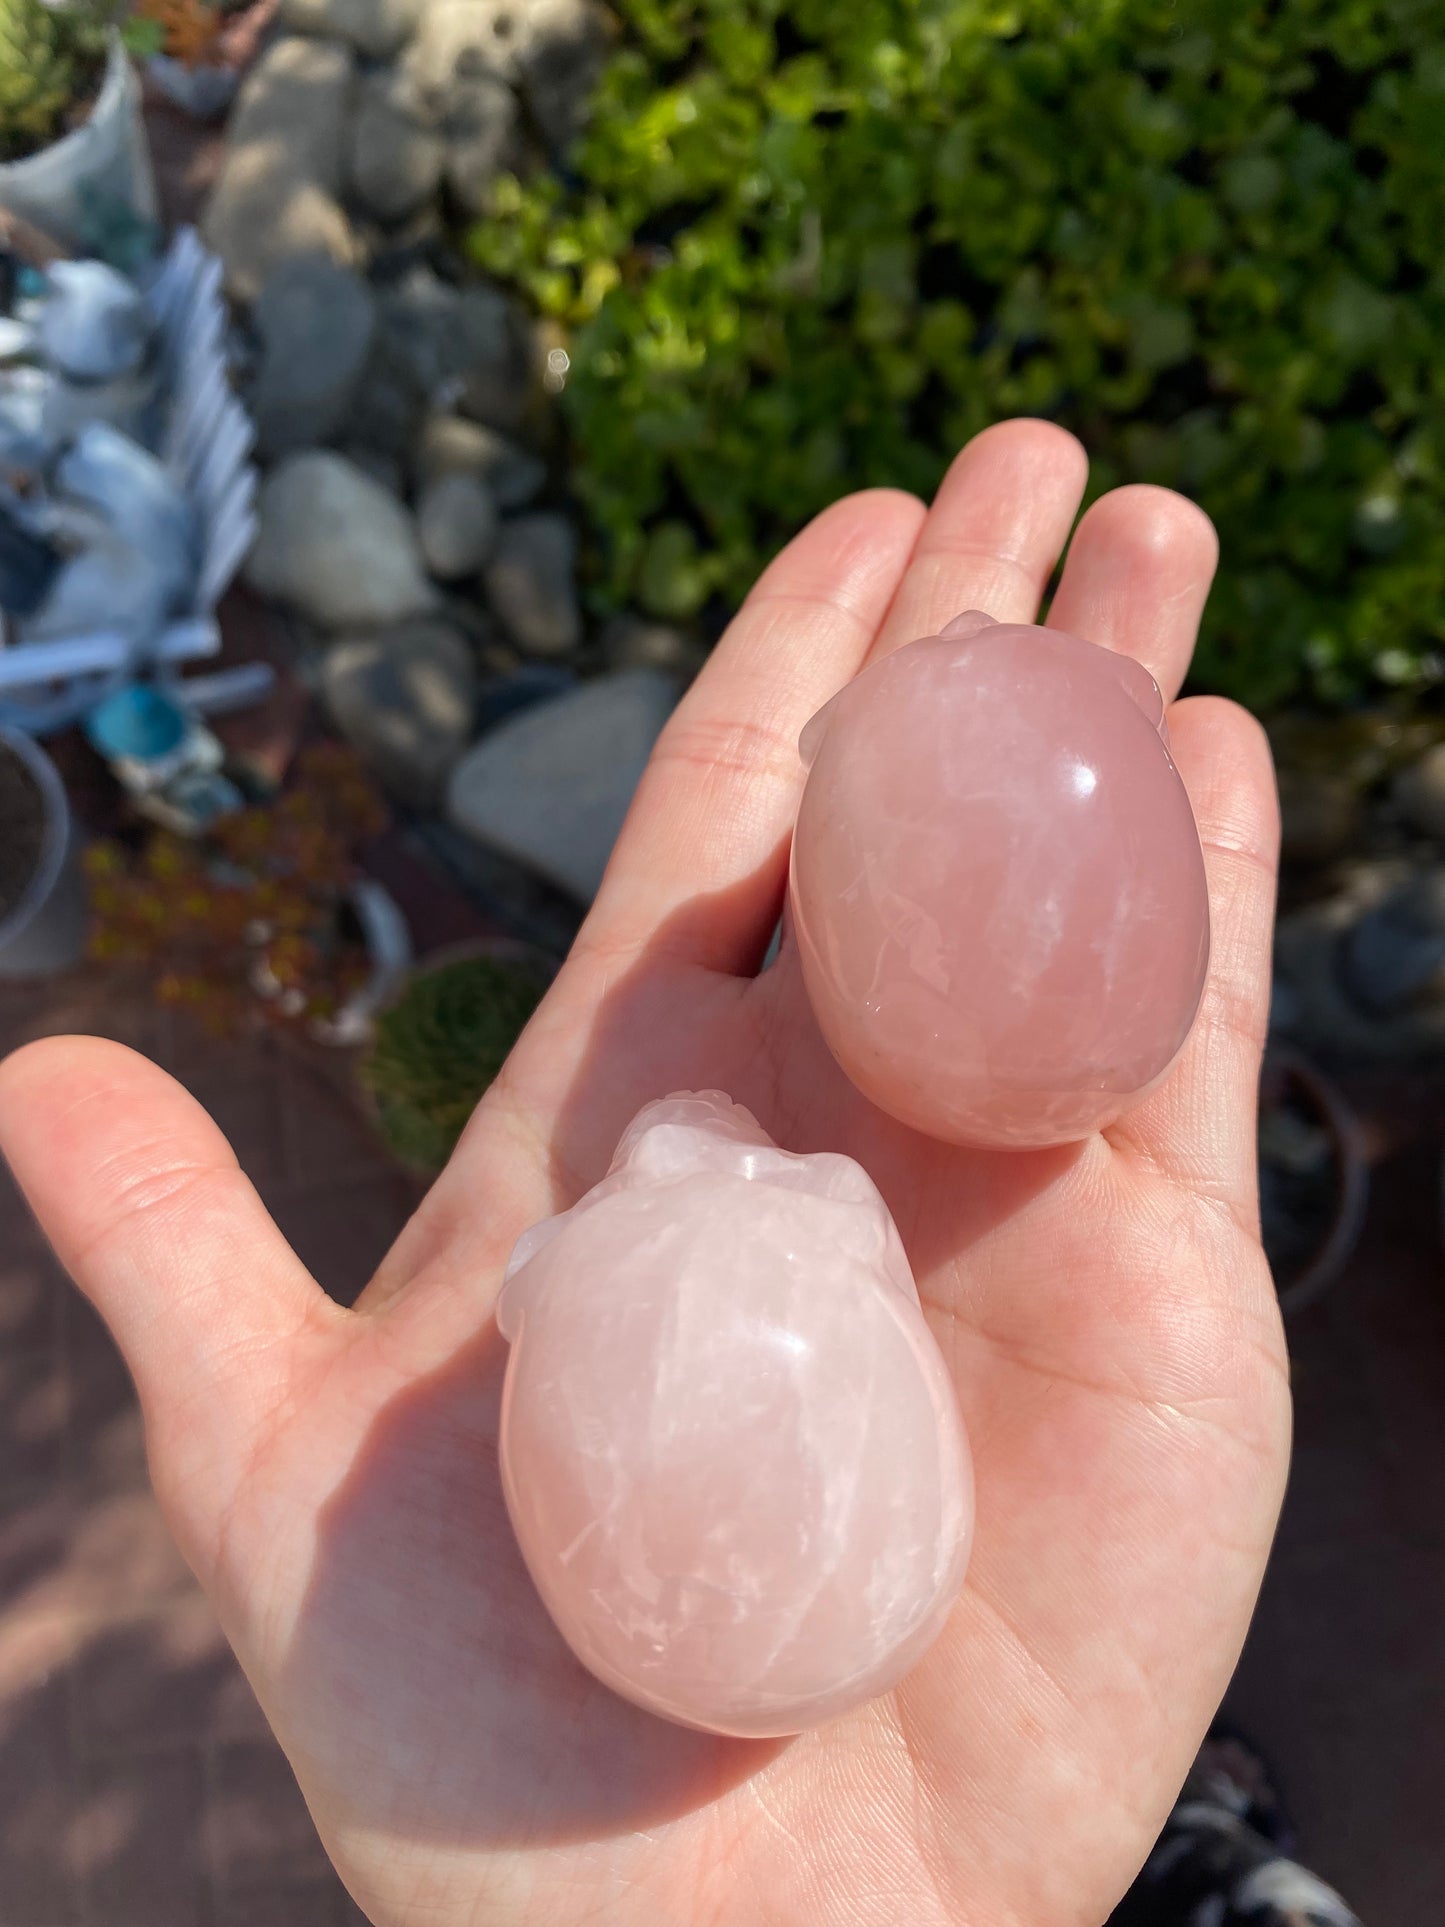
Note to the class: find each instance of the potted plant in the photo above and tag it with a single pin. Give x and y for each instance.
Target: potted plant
(442, 1043)
(42, 894)
(73, 155)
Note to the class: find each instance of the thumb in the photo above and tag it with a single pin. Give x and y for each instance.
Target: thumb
(147, 1208)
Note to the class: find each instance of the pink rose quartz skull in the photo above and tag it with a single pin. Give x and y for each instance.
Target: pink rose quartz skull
(997, 885)
(730, 1447)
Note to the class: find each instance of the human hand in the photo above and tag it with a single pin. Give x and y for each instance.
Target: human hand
(1105, 1309)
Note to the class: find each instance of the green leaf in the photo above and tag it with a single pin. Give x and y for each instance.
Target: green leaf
(808, 248)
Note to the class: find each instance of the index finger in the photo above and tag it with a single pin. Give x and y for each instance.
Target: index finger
(714, 810)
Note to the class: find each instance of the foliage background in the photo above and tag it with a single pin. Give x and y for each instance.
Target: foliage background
(808, 246)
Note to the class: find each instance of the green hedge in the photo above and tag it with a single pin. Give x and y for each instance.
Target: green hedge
(814, 244)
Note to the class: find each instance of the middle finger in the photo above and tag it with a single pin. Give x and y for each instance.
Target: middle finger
(997, 527)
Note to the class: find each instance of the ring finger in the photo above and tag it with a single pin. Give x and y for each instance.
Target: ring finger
(1137, 578)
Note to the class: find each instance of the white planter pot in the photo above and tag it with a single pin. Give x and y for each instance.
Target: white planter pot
(75, 187)
(45, 930)
(207, 448)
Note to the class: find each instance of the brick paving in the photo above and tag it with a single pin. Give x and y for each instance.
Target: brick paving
(139, 1786)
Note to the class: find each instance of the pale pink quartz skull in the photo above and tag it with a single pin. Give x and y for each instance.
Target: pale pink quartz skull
(997, 885)
(730, 1447)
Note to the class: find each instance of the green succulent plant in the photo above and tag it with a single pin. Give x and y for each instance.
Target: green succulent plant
(50, 59)
(806, 247)
(439, 1048)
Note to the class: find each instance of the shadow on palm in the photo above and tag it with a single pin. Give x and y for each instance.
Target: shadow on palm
(333, 1476)
(420, 1608)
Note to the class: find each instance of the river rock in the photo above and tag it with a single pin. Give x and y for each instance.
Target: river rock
(1364, 968)
(550, 48)
(452, 445)
(457, 74)
(1419, 793)
(395, 160)
(405, 699)
(277, 195)
(459, 41)
(336, 546)
(531, 583)
(390, 406)
(383, 469)
(482, 138)
(1320, 812)
(550, 787)
(456, 522)
(468, 56)
(637, 642)
(498, 380)
(315, 321)
(375, 28)
(449, 444)
(558, 63)
(530, 683)
(439, 348)
(1395, 955)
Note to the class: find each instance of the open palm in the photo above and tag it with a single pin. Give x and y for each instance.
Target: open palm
(1105, 1309)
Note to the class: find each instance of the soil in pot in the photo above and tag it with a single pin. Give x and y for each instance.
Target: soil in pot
(22, 830)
